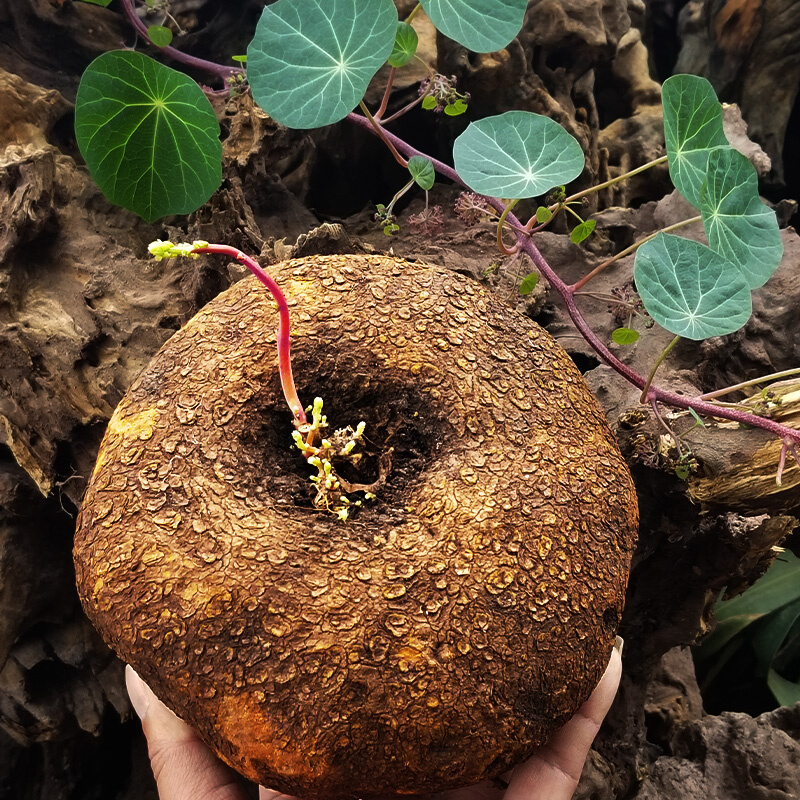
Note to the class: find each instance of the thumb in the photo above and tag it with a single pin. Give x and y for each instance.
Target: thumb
(184, 767)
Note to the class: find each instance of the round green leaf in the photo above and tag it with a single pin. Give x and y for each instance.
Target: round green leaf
(310, 61)
(148, 134)
(543, 214)
(738, 225)
(517, 154)
(625, 336)
(528, 283)
(422, 171)
(692, 128)
(159, 35)
(682, 471)
(480, 25)
(689, 289)
(582, 231)
(98, 2)
(429, 102)
(405, 45)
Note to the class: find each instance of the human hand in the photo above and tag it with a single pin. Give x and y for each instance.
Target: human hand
(185, 769)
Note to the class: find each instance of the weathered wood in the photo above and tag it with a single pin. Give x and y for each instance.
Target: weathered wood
(750, 51)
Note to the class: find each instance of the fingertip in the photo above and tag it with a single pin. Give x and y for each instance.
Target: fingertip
(182, 764)
(271, 794)
(554, 771)
(139, 692)
(601, 699)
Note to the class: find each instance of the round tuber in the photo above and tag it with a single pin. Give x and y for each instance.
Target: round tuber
(444, 630)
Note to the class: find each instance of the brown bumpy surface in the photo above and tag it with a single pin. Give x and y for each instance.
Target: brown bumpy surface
(439, 635)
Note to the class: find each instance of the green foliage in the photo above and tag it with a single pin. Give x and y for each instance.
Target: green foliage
(405, 45)
(690, 290)
(528, 283)
(582, 231)
(149, 135)
(386, 219)
(422, 171)
(151, 142)
(159, 35)
(516, 154)
(692, 128)
(310, 61)
(766, 619)
(480, 25)
(161, 250)
(697, 418)
(625, 336)
(442, 95)
(455, 108)
(98, 2)
(738, 225)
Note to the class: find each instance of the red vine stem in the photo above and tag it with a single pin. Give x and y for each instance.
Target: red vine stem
(526, 245)
(386, 94)
(284, 341)
(226, 73)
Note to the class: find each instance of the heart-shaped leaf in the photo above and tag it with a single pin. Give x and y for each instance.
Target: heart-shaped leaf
(422, 171)
(738, 225)
(528, 283)
(455, 109)
(692, 127)
(517, 154)
(689, 289)
(480, 25)
(148, 134)
(625, 336)
(582, 231)
(310, 61)
(405, 45)
(159, 35)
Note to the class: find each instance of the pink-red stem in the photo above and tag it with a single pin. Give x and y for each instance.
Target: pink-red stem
(284, 340)
(525, 244)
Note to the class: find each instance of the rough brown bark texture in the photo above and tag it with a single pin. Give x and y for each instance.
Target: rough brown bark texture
(438, 636)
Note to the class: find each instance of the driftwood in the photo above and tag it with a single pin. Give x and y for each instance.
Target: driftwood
(750, 51)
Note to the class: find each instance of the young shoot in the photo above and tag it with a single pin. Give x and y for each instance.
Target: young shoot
(320, 452)
(307, 436)
(163, 250)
